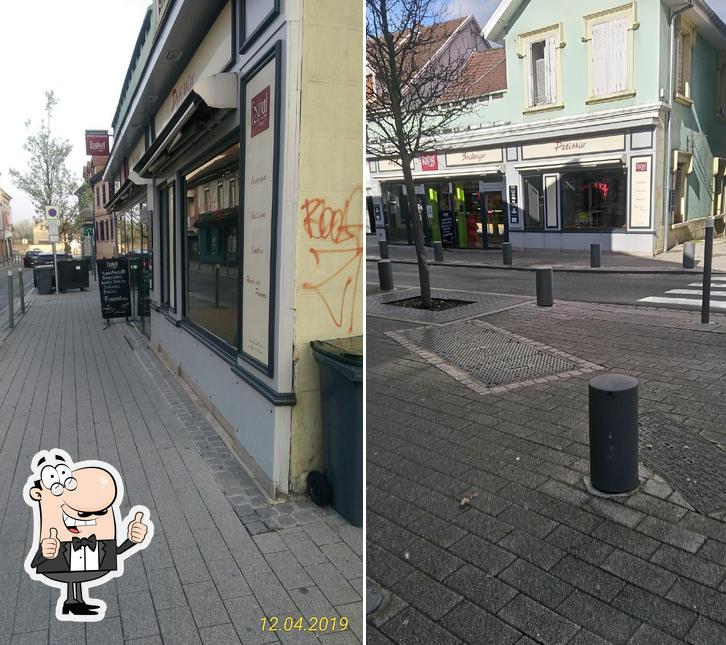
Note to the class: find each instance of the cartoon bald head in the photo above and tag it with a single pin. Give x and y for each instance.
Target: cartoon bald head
(76, 502)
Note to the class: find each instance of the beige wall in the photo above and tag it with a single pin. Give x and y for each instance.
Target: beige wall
(330, 235)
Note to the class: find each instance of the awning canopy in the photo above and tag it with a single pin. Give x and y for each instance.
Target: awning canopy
(210, 101)
(128, 192)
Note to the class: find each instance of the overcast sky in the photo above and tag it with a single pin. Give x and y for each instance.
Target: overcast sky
(79, 48)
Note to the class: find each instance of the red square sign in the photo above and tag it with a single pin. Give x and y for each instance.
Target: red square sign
(430, 162)
(260, 112)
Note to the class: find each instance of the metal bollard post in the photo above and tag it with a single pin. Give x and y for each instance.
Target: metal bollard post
(383, 249)
(544, 287)
(707, 258)
(438, 252)
(216, 285)
(594, 255)
(385, 275)
(507, 253)
(689, 255)
(11, 317)
(613, 433)
(22, 291)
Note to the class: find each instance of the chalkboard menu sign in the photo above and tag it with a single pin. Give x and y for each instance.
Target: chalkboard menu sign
(446, 219)
(113, 282)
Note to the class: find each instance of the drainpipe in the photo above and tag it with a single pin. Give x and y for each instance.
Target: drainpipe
(667, 151)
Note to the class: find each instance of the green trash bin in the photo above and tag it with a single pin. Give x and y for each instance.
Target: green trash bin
(340, 363)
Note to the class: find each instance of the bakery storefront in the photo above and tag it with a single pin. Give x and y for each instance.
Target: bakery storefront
(558, 193)
(460, 198)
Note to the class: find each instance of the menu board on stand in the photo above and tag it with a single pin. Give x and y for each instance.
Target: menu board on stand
(260, 95)
(113, 287)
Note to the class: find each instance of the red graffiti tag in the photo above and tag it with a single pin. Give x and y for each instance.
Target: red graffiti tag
(337, 240)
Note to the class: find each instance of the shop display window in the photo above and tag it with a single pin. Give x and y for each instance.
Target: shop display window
(211, 249)
(594, 198)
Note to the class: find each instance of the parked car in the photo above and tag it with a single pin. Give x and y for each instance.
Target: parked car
(30, 256)
(45, 259)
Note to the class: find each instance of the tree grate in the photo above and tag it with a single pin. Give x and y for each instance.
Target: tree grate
(489, 359)
(692, 465)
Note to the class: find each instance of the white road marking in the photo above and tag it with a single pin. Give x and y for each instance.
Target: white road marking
(682, 301)
(696, 292)
(713, 286)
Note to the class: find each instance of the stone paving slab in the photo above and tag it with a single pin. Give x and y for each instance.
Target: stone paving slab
(66, 382)
(535, 557)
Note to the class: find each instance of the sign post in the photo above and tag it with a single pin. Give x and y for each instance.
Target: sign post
(51, 220)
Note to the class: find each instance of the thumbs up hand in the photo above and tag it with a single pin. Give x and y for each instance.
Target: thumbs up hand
(137, 529)
(49, 547)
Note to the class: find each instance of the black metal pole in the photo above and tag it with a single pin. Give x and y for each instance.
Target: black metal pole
(383, 249)
(595, 256)
(438, 252)
(22, 291)
(11, 317)
(707, 258)
(689, 255)
(385, 275)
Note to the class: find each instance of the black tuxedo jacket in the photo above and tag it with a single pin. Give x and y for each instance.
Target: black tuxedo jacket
(108, 551)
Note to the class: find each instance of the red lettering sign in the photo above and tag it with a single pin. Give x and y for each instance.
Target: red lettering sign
(97, 144)
(641, 166)
(430, 162)
(260, 110)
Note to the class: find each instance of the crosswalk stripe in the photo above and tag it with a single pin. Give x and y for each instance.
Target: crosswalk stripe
(718, 277)
(713, 286)
(697, 292)
(682, 301)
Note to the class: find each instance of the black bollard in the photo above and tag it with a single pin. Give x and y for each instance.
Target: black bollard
(689, 255)
(21, 290)
(385, 275)
(507, 253)
(707, 258)
(438, 252)
(11, 316)
(383, 249)
(544, 287)
(594, 255)
(613, 433)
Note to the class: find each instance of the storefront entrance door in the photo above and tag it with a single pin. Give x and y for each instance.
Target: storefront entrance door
(493, 219)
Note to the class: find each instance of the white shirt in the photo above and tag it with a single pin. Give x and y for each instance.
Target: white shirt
(84, 559)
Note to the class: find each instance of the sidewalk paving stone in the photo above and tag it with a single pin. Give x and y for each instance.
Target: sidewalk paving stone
(572, 568)
(203, 578)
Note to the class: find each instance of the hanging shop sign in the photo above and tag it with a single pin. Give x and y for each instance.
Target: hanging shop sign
(260, 93)
(474, 157)
(113, 287)
(574, 147)
(640, 191)
(96, 143)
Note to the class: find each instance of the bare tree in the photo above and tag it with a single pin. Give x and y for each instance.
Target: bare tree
(46, 179)
(415, 90)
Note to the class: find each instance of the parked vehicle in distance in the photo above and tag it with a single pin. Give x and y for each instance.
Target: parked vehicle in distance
(45, 259)
(30, 256)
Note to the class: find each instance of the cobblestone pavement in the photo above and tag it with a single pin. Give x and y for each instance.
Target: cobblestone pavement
(222, 555)
(534, 557)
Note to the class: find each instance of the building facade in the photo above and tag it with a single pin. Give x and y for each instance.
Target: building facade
(610, 128)
(236, 168)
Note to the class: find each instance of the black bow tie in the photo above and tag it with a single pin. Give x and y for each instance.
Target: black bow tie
(81, 542)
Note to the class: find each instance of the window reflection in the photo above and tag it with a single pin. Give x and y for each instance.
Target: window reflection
(211, 244)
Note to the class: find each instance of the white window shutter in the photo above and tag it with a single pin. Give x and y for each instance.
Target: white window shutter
(599, 60)
(551, 70)
(531, 76)
(619, 53)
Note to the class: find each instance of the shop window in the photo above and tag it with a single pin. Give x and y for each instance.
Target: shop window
(540, 53)
(211, 259)
(168, 246)
(534, 203)
(609, 35)
(685, 41)
(594, 199)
